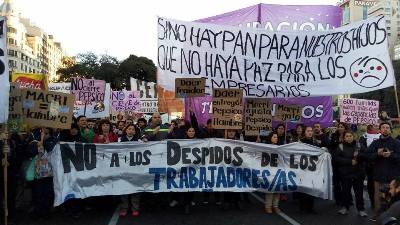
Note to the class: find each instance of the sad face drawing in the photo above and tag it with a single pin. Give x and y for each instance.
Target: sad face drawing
(368, 72)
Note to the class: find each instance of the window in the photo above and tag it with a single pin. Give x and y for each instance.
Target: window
(22, 66)
(365, 12)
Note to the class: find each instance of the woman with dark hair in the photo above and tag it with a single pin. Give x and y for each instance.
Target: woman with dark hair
(40, 142)
(298, 133)
(105, 134)
(272, 199)
(336, 140)
(130, 134)
(351, 172)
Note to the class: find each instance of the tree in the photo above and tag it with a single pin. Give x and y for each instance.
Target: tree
(86, 65)
(140, 68)
(107, 68)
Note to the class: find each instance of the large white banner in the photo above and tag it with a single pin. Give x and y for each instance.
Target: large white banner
(93, 110)
(4, 72)
(84, 170)
(347, 60)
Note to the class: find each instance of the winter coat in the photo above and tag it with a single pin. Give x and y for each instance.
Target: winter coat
(385, 169)
(343, 158)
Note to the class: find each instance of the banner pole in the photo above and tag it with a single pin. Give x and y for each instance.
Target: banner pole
(397, 100)
(285, 131)
(6, 150)
(84, 111)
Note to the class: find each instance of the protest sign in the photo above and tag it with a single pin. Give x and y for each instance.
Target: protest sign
(258, 116)
(148, 95)
(27, 80)
(227, 108)
(125, 101)
(15, 108)
(190, 87)
(286, 113)
(277, 17)
(88, 90)
(47, 109)
(315, 110)
(60, 87)
(4, 72)
(277, 64)
(94, 110)
(359, 111)
(85, 170)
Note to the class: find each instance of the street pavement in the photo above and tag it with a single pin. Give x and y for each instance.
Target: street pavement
(105, 212)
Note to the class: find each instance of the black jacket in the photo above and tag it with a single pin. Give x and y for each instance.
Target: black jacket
(385, 169)
(124, 138)
(343, 158)
(310, 141)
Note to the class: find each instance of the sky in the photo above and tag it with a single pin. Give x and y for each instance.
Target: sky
(123, 27)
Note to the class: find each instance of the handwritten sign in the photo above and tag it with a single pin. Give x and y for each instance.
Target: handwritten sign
(148, 95)
(125, 101)
(359, 111)
(47, 109)
(276, 64)
(88, 90)
(190, 87)
(227, 108)
(14, 108)
(258, 116)
(287, 113)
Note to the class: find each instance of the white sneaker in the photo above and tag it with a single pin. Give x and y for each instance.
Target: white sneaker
(173, 203)
(362, 213)
(343, 211)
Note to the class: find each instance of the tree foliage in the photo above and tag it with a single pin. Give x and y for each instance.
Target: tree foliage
(108, 68)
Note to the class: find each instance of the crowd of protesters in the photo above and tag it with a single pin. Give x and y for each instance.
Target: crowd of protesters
(374, 158)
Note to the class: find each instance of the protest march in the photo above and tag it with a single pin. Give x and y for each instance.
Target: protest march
(276, 111)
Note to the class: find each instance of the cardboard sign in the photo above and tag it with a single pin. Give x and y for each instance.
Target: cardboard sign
(359, 111)
(227, 109)
(258, 116)
(88, 90)
(47, 109)
(287, 113)
(60, 87)
(26, 80)
(14, 109)
(125, 101)
(190, 87)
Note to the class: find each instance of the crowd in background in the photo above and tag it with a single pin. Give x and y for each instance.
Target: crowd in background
(374, 157)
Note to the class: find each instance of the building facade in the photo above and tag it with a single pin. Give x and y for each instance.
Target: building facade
(353, 12)
(30, 49)
(390, 9)
(356, 10)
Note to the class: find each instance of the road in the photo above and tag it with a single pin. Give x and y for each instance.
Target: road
(105, 213)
